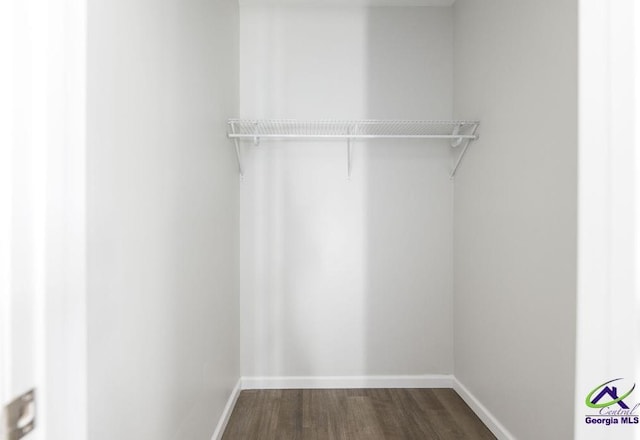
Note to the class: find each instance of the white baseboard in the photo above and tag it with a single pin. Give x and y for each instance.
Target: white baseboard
(226, 413)
(482, 412)
(337, 382)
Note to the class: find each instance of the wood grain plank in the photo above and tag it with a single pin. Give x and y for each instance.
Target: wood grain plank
(466, 419)
(362, 414)
(337, 405)
(440, 418)
(362, 420)
(393, 419)
(289, 425)
(416, 424)
(315, 415)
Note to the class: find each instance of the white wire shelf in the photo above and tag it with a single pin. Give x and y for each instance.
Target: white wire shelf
(459, 132)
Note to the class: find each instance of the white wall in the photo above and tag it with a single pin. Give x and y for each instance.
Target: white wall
(62, 412)
(609, 240)
(23, 198)
(338, 276)
(42, 237)
(162, 220)
(515, 212)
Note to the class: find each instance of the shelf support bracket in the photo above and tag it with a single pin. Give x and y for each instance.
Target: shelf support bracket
(256, 138)
(239, 157)
(236, 141)
(457, 143)
(352, 131)
(349, 158)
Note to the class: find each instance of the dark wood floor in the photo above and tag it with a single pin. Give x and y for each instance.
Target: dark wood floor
(362, 414)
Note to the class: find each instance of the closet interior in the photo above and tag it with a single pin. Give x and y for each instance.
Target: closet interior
(330, 195)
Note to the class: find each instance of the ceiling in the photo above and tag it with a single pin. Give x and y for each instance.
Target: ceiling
(350, 2)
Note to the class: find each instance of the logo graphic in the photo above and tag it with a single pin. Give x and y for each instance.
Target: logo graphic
(612, 392)
(610, 405)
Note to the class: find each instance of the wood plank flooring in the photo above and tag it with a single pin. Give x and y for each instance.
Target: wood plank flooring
(357, 414)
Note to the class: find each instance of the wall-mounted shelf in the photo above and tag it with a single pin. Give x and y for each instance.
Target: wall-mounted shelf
(461, 133)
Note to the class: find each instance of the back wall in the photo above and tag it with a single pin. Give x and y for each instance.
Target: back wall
(346, 276)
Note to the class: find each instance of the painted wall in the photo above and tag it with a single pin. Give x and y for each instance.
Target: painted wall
(42, 239)
(339, 276)
(515, 212)
(162, 217)
(609, 240)
(62, 410)
(23, 199)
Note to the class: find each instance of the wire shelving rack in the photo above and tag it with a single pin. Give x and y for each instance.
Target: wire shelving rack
(460, 133)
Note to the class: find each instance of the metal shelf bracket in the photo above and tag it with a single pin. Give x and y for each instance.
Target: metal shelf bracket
(457, 143)
(231, 126)
(239, 157)
(352, 131)
(349, 158)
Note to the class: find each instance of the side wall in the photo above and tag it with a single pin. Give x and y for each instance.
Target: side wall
(339, 276)
(515, 212)
(162, 220)
(609, 187)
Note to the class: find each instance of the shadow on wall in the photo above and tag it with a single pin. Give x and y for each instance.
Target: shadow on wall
(302, 226)
(409, 196)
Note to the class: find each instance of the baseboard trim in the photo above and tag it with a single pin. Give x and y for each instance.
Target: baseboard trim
(482, 412)
(226, 413)
(338, 382)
